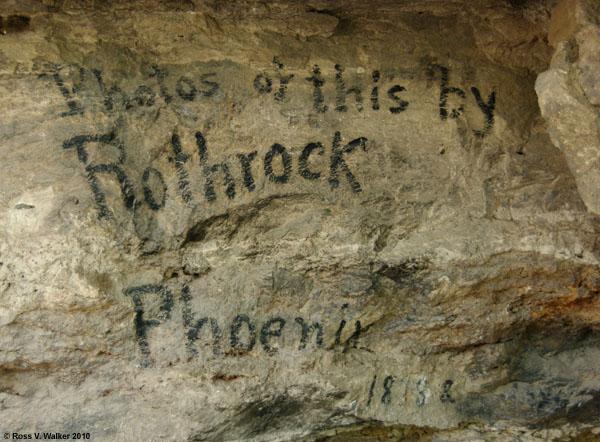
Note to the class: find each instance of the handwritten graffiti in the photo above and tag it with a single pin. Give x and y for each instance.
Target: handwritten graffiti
(154, 87)
(241, 335)
(210, 171)
(240, 171)
(486, 108)
(277, 83)
(398, 390)
(263, 84)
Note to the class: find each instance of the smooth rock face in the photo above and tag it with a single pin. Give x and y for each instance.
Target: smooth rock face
(335, 221)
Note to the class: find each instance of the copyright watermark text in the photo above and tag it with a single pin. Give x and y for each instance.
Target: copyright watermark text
(42, 435)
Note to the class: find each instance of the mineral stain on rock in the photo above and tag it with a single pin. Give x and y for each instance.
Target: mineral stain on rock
(264, 415)
(403, 272)
(542, 380)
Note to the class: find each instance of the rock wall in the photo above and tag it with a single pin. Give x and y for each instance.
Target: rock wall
(333, 221)
(569, 93)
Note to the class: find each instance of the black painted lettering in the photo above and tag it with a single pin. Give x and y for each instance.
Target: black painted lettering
(208, 170)
(286, 161)
(126, 187)
(371, 390)
(186, 88)
(141, 324)
(148, 193)
(209, 185)
(388, 382)
(445, 396)
(193, 328)
(213, 86)
(402, 105)
(110, 94)
(338, 333)
(202, 148)
(318, 83)
(306, 329)
(342, 93)
(488, 111)
(277, 63)
(358, 330)
(375, 91)
(160, 76)
(180, 159)
(92, 170)
(267, 332)
(303, 169)
(236, 327)
(74, 107)
(246, 161)
(61, 86)
(263, 84)
(108, 99)
(144, 96)
(338, 162)
(79, 142)
(284, 80)
(444, 91)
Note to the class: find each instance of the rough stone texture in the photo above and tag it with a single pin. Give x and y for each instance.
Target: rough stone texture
(205, 237)
(569, 93)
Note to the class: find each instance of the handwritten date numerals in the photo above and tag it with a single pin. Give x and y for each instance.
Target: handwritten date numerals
(416, 392)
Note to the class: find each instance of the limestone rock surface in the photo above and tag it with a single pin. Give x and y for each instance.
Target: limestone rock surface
(569, 93)
(273, 221)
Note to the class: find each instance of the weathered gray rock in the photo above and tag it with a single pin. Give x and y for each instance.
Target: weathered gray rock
(249, 221)
(569, 93)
